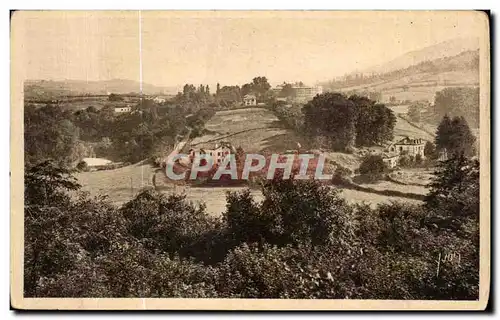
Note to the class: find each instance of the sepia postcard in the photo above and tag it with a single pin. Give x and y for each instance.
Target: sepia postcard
(250, 160)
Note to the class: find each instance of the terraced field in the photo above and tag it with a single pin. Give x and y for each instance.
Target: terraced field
(254, 129)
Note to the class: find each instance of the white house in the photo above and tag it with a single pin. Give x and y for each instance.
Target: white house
(96, 162)
(123, 109)
(159, 100)
(302, 93)
(218, 154)
(390, 159)
(250, 100)
(409, 146)
(306, 93)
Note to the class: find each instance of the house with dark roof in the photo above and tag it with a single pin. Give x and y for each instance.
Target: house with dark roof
(250, 100)
(390, 159)
(408, 146)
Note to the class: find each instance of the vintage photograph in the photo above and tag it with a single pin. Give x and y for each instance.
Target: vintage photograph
(329, 156)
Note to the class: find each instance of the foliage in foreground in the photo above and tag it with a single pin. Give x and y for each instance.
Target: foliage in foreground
(302, 241)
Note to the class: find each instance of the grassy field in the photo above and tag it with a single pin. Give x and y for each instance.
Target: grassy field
(120, 185)
(215, 198)
(405, 128)
(254, 129)
(387, 185)
(420, 86)
(415, 176)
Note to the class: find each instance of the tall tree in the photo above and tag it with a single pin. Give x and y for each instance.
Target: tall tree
(458, 102)
(375, 122)
(455, 136)
(49, 133)
(443, 133)
(333, 116)
(430, 150)
(455, 190)
(247, 88)
(261, 85)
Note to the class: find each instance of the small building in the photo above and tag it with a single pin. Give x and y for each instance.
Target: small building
(409, 146)
(218, 154)
(159, 100)
(301, 92)
(443, 155)
(250, 100)
(93, 164)
(126, 109)
(390, 159)
(304, 93)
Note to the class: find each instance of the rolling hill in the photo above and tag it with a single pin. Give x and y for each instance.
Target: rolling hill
(52, 89)
(418, 75)
(441, 50)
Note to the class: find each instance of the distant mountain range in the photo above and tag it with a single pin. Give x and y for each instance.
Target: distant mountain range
(54, 89)
(418, 75)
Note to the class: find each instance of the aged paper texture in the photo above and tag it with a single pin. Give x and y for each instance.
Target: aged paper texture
(250, 160)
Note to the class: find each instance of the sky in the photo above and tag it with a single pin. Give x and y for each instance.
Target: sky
(173, 48)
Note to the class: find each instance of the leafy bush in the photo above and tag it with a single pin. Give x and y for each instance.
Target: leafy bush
(170, 224)
(372, 164)
(341, 175)
(298, 211)
(243, 218)
(302, 242)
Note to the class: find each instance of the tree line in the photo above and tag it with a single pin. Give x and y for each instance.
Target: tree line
(339, 122)
(149, 130)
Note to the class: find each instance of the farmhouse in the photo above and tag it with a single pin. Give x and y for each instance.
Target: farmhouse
(218, 154)
(123, 109)
(92, 164)
(302, 93)
(409, 146)
(159, 100)
(390, 159)
(249, 100)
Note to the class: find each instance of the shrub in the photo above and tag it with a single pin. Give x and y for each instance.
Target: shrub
(454, 193)
(418, 159)
(243, 218)
(430, 150)
(304, 211)
(82, 166)
(341, 175)
(171, 224)
(302, 242)
(372, 165)
(272, 272)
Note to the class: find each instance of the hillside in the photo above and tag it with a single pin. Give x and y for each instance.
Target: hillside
(441, 50)
(52, 89)
(254, 129)
(430, 70)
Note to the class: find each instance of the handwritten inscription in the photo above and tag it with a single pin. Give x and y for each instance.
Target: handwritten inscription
(450, 257)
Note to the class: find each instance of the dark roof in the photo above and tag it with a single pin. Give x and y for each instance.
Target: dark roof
(389, 155)
(409, 141)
